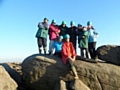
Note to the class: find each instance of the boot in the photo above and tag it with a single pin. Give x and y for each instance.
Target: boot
(88, 55)
(96, 59)
(45, 50)
(40, 50)
(50, 53)
(82, 52)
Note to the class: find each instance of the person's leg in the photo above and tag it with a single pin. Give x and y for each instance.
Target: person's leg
(78, 42)
(55, 53)
(39, 41)
(44, 40)
(73, 68)
(82, 52)
(87, 53)
(75, 45)
(50, 46)
(94, 49)
(60, 54)
(90, 48)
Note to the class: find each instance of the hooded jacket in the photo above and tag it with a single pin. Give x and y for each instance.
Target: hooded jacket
(67, 51)
(84, 41)
(63, 30)
(92, 35)
(53, 32)
(42, 30)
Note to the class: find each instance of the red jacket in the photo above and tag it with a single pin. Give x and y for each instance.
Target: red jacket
(66, 51)
(53, 32)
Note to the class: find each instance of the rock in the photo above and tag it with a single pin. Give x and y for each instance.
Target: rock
(78, 85)
(42, 73)
(16, 66)
(109, 53)
(41, 66)
(6, 82)
(61, 85)
(13, 73)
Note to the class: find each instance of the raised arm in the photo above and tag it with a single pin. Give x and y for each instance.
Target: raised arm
(46, 26)
(54, 29)
(96, 34)
(40, 25)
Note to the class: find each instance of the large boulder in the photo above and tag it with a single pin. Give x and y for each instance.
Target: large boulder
(6, 82)
(42, 73)
(109, 53)
(12, 72)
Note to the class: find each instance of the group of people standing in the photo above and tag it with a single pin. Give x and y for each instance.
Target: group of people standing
(63, 40)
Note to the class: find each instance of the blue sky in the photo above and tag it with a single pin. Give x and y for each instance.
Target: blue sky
(19, 19)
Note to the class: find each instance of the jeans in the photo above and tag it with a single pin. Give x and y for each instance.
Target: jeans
(91, 47)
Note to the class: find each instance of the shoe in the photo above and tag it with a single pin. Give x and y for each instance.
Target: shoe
(40, 51)
(96, 59)
(44, 51)
(50, 53)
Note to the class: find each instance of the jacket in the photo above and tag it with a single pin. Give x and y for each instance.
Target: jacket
(63, 30)
(66, 51)
(79, 32)
(42, 30)
(57, 46)
(53, 32)
(92, 35)
(72, 31)
(84, 41)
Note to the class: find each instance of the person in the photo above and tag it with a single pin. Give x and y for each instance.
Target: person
(53, 34)
(63, 28)
(58, 47)
(84, 37)
(92, 39)
(42, 34)
(72, 31)
(79, 32)
(69, 54)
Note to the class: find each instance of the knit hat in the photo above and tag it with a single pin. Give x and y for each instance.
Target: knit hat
(67, 36)
(89, 23)
(72, 23)
(63, 22)
(79, 25)
(53, 21)
(61, 37)
(45, 19)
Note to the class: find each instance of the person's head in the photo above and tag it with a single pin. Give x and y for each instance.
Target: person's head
(89, 24)
(60, 38)
(72, 24)
(84, 28)
(79, 26)
(45, 20)
(53, 22)
(67, 37)
(63, 23)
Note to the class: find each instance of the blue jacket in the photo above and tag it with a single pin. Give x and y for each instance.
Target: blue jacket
(92, 35)
(57, 46)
